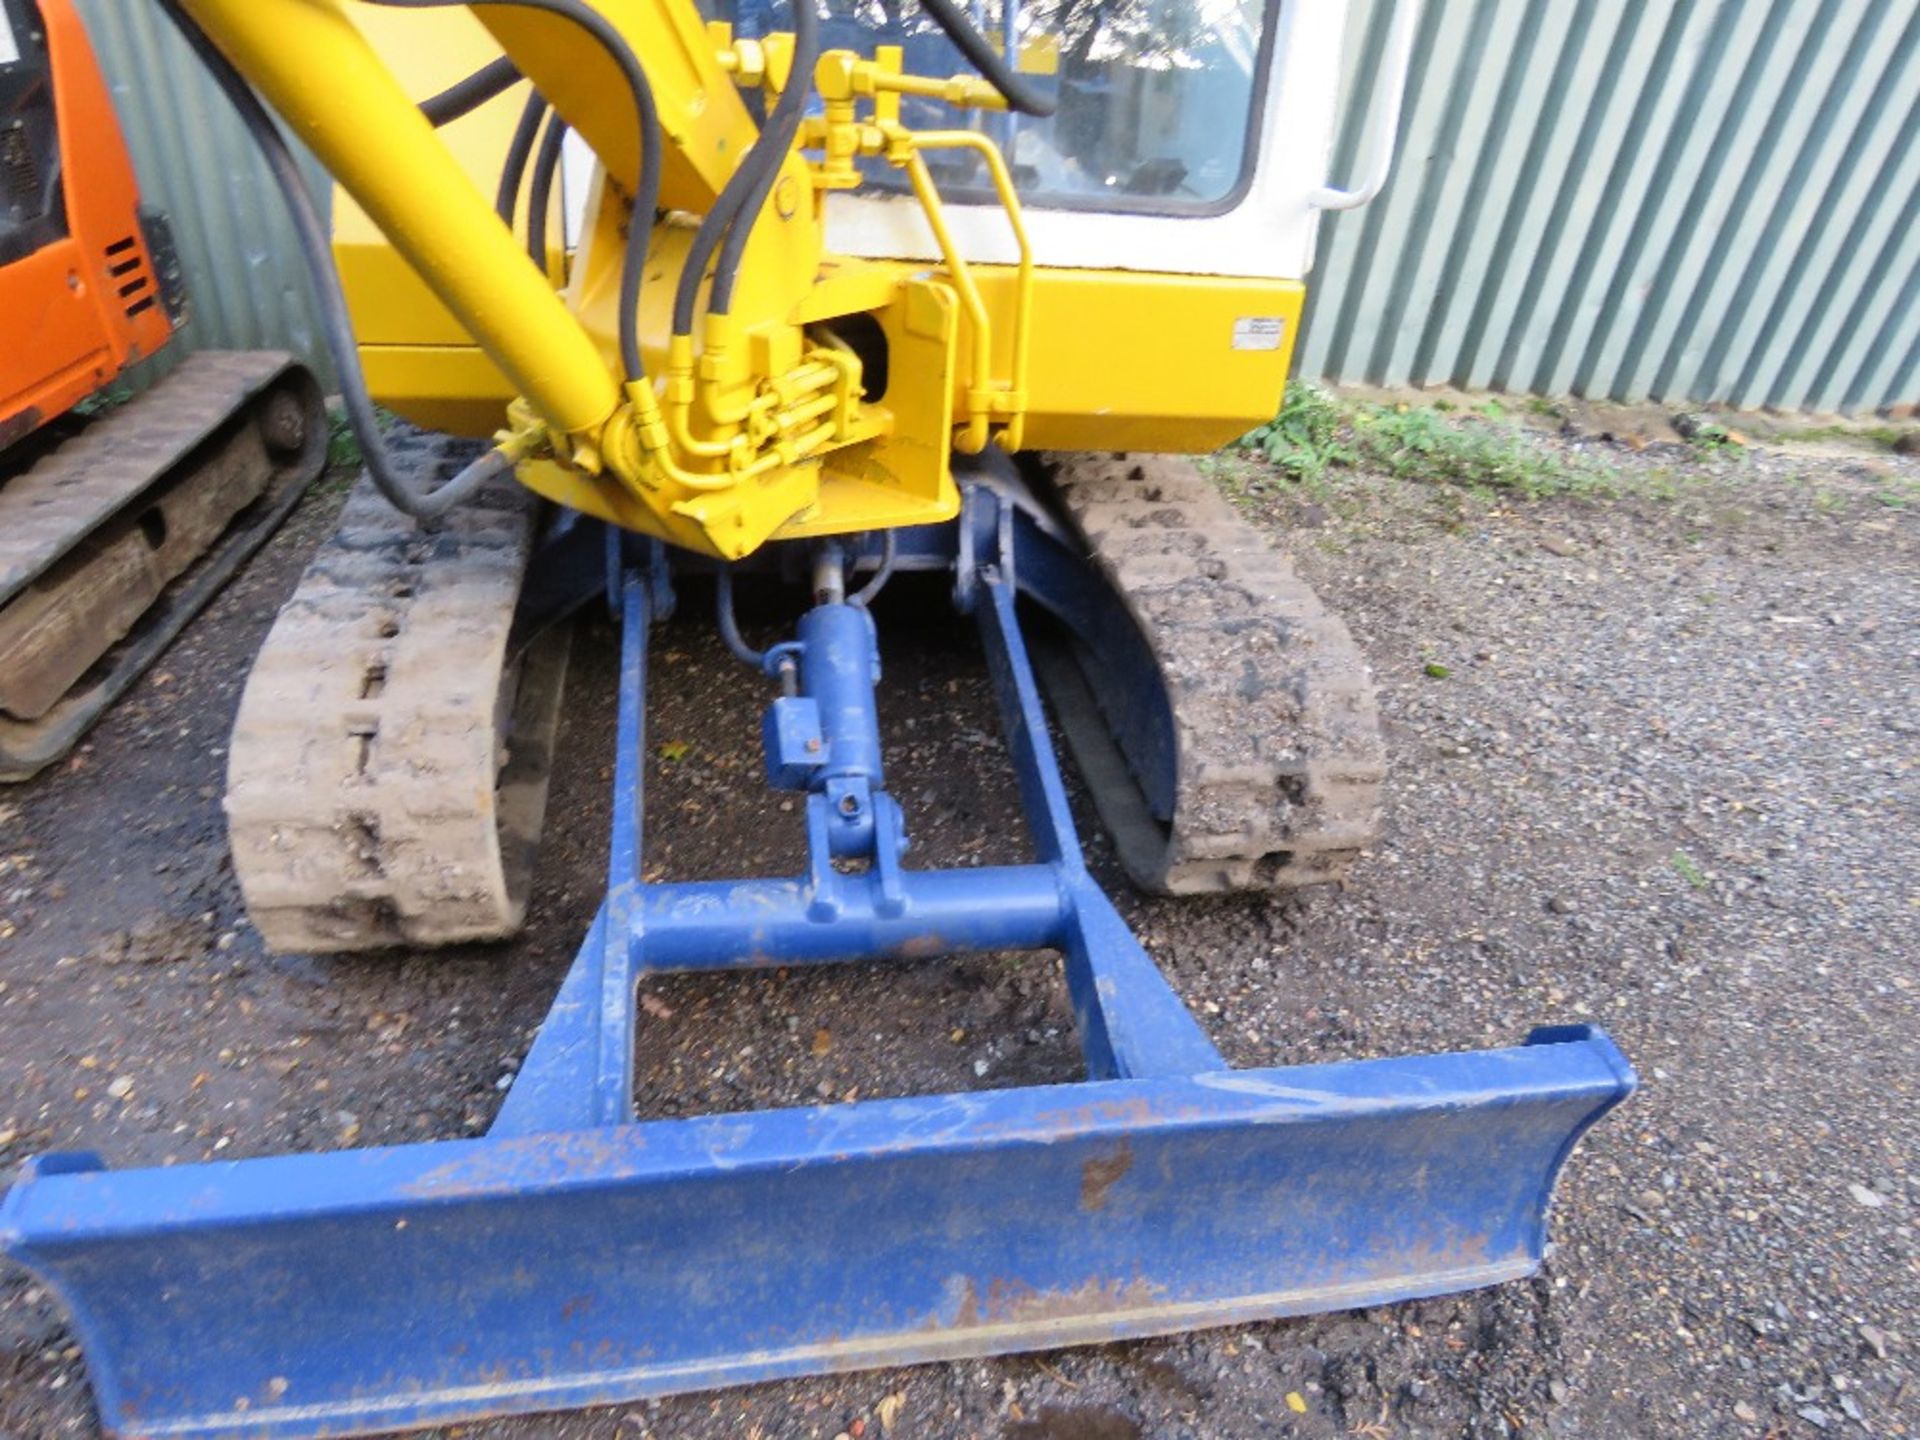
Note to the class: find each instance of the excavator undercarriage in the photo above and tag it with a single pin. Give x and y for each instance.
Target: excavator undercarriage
(114, 540)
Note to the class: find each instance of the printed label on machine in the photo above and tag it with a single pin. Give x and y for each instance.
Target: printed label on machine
(9, 45)
(1259, 332)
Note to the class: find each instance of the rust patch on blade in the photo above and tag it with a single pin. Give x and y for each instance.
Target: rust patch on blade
(1427, 1256)
(1010, 1302)
(921, 947)
(1099, 1173)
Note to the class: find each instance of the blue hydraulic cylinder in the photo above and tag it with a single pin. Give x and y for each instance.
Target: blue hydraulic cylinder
(826, 739)
(839, 666)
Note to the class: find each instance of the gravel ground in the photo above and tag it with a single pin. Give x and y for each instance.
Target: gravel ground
(1654, 765)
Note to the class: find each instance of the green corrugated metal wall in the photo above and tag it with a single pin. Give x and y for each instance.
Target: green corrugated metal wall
(1677, 199)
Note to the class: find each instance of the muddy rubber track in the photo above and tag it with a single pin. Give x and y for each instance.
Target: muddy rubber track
(388, 772)
(1279, 758)
(112, 540)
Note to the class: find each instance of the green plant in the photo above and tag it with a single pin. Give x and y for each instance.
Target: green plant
(1479, 449)
(1485, 451)
(1304, 439)
(1884, 437)
(1896, 499)
(343, 447)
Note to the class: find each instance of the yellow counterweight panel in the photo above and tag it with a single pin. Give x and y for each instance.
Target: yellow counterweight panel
(1121, 360)
(1117, 360)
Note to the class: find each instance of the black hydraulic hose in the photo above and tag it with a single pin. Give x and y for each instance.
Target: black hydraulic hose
(768, 154)
(746, 189)
(546, 165)
(729, 626)
(980, 54)
(713, 225)
(513, 169)
(463, 97)
(646, 200)
(335, 322)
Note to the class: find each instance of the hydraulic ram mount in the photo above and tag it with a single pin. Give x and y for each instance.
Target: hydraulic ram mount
(575, 1256)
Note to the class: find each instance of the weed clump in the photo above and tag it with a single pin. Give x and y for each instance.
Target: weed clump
(1480, 449)
(1307, 437)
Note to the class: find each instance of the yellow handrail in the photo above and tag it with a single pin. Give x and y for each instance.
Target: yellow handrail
(1014, 399)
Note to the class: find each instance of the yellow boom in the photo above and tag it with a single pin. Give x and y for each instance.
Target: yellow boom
(761, 422)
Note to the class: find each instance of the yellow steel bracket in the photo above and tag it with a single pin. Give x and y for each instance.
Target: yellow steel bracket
(843, 78)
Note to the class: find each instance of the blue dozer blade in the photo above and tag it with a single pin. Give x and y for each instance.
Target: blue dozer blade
(381, 1289)
(576, 1257)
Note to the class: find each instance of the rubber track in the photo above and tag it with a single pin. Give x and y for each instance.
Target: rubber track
(72, 491)
(113, 540)
(388, 773)
(1279, 754)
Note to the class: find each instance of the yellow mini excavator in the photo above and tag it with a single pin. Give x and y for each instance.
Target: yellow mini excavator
(829, 290)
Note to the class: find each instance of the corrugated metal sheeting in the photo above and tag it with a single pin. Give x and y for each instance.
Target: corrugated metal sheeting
(1677, 199)
(246, 287)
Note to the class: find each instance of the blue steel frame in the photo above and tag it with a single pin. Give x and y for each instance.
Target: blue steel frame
(575, 1256)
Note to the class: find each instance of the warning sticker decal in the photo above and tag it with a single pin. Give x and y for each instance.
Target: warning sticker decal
(1258, 332)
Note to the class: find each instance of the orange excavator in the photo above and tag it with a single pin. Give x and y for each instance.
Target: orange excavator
(118, 521)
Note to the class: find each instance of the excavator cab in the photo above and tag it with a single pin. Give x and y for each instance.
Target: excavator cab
(1153, 104)
(853, 291)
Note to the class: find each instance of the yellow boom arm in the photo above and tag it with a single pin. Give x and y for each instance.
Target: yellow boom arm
(765, 422)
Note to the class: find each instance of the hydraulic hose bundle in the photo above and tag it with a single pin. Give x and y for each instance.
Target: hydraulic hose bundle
(725, 228)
